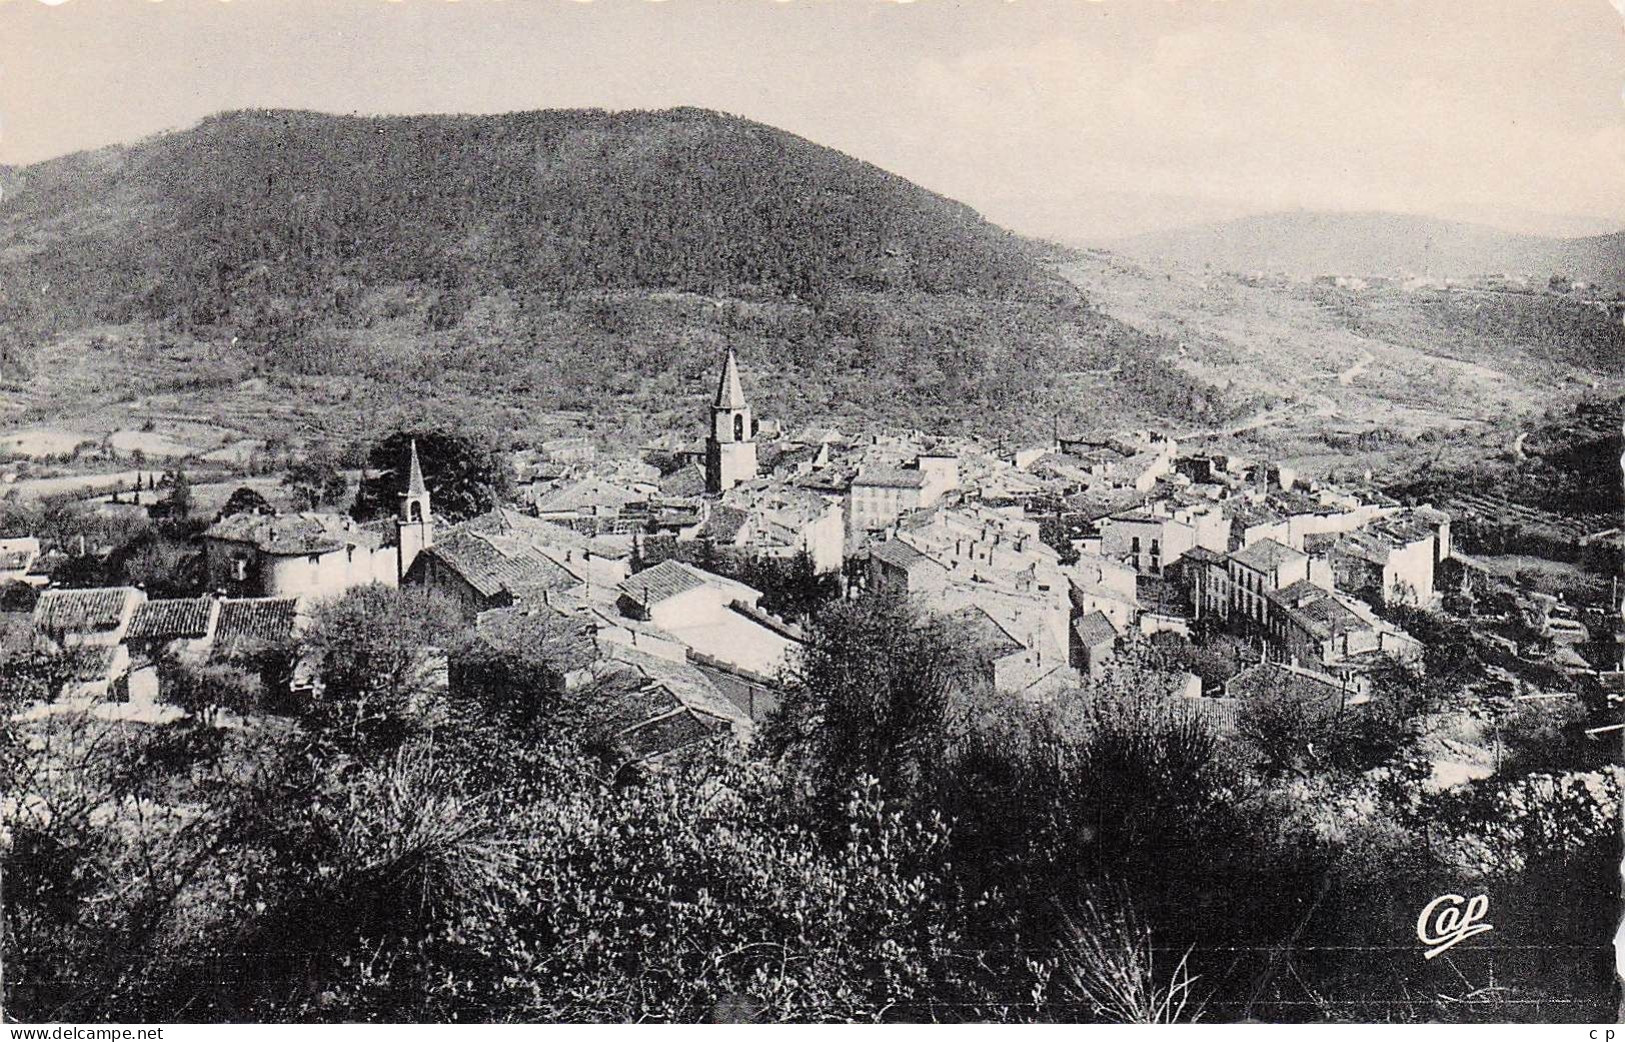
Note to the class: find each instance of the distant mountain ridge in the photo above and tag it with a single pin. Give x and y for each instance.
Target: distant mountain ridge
(1308, 244)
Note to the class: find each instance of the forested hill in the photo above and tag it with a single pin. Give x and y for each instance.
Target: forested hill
(551, 241)
(556, 200)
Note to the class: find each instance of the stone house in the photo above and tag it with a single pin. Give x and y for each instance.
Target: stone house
(1094, 640)
(17, 556)
(315, 556)
(712, 615)
(880, 495)
(480, 572)
(1256, 570)
(1148, 540)
(1391, 560)
(90, 625)
(1314, 626)
(297, 555)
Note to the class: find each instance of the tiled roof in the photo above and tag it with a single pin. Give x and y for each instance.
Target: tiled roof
(1298, 503)
(543, 534)
(682, 683)
(889, 477)
(81, 611)
(92, 662)
(1363, 544)
(1217, 713)
(787, 456)
(1402, 530)
(672, 577)
(1202, 555)
(1096, 504)
(565, 641)
(1267, 555)
(254, 621)
(491, 563)
(1294, 594)
(1264, 677)
(613, 545)
(378, 532)
(171, 619)
(295, 534)
(1094, 630)
(585, 494)
(661, 706)
(992, 640)
(724, 524)
(1315, 609)
(1083, 590)
(662, 582)
(1097, 438)
(897, 553)
(830, 479)
(1140, 462)
(1376, 498)
(676, 517)
(505, 522)
(47, 562)
(817, 435)
(1245, 515)
(684, 481)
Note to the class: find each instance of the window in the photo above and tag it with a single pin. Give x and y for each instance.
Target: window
(239, 568)
(739, 427)
(1135, 546)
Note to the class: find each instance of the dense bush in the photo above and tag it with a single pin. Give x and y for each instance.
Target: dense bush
(905, 844)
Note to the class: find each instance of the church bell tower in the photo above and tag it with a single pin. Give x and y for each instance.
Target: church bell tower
(730, 447)
(415, 525)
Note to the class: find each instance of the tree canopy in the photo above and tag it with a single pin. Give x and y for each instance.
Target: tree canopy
(464, 472)
(244, 500)
(905, 844)
(314, 482)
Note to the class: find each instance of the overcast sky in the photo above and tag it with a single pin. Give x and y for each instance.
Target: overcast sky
(1071, 119)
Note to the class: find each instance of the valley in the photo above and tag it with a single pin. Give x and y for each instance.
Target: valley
(1349, 368)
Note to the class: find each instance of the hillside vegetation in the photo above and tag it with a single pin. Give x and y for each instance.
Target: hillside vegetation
(1530, 329)
(1566, 463)
(565, 258)
(1366, 372)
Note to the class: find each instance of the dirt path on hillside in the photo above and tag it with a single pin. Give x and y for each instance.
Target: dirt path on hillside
(1347, 376)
